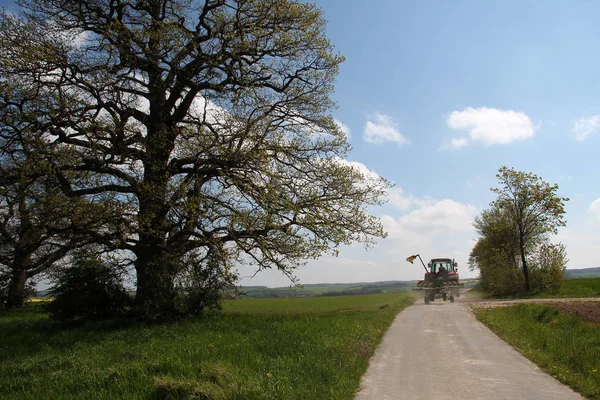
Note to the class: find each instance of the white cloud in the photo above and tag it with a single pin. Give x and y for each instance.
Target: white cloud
(582, 245)
(343, 127)
(442, 216)
(489, 126)
(401, 201)
(397, 198)
(459, 143)
(381, 128)
(432, 222)
(594, 208)
(585, 127)
(455, 144)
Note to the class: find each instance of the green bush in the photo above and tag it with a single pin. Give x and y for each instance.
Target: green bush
(202, 283)
(89, 289)
(547, 268)
(500, 274)
(503, 280)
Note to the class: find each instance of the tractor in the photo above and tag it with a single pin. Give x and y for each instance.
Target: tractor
(441, 279)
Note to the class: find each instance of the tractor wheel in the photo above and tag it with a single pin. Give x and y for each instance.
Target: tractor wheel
(451, 299)
(444, 297)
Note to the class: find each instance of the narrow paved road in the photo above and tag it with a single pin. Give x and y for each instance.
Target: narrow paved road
(440, 351)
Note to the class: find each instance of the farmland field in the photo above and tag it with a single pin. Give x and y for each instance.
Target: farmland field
(314, 348)
(571, 288)
(581, 287)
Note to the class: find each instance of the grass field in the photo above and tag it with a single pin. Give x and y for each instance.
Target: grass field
(338, 289)
(580, 288)
(315, 348)
(564, 346)
(584, 287)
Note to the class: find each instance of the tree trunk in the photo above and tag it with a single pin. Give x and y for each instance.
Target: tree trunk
(155, 293)
(154, 264)
(16, 288)
(524, 263)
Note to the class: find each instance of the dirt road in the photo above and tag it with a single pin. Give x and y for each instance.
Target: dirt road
(440, 351)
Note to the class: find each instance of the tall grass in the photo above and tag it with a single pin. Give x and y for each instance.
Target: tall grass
(254, 349)
(562, 345)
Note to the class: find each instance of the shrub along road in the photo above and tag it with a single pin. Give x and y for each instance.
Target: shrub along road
(440, 351)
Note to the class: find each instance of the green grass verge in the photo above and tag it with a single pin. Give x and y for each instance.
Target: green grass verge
(562, 345)
(315, 348)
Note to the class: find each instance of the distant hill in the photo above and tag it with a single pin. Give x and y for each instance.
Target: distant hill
(583, 273)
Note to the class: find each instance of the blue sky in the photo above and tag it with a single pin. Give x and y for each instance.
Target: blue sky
(437, 95)
(514, 82)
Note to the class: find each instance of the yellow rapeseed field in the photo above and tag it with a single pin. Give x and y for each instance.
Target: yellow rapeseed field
(39, 299)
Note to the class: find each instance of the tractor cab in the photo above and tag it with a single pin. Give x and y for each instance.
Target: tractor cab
(442, 268)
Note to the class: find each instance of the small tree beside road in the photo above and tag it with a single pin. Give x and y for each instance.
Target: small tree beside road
(518, 227)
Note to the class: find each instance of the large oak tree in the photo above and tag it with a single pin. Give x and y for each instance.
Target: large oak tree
(210, 118)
